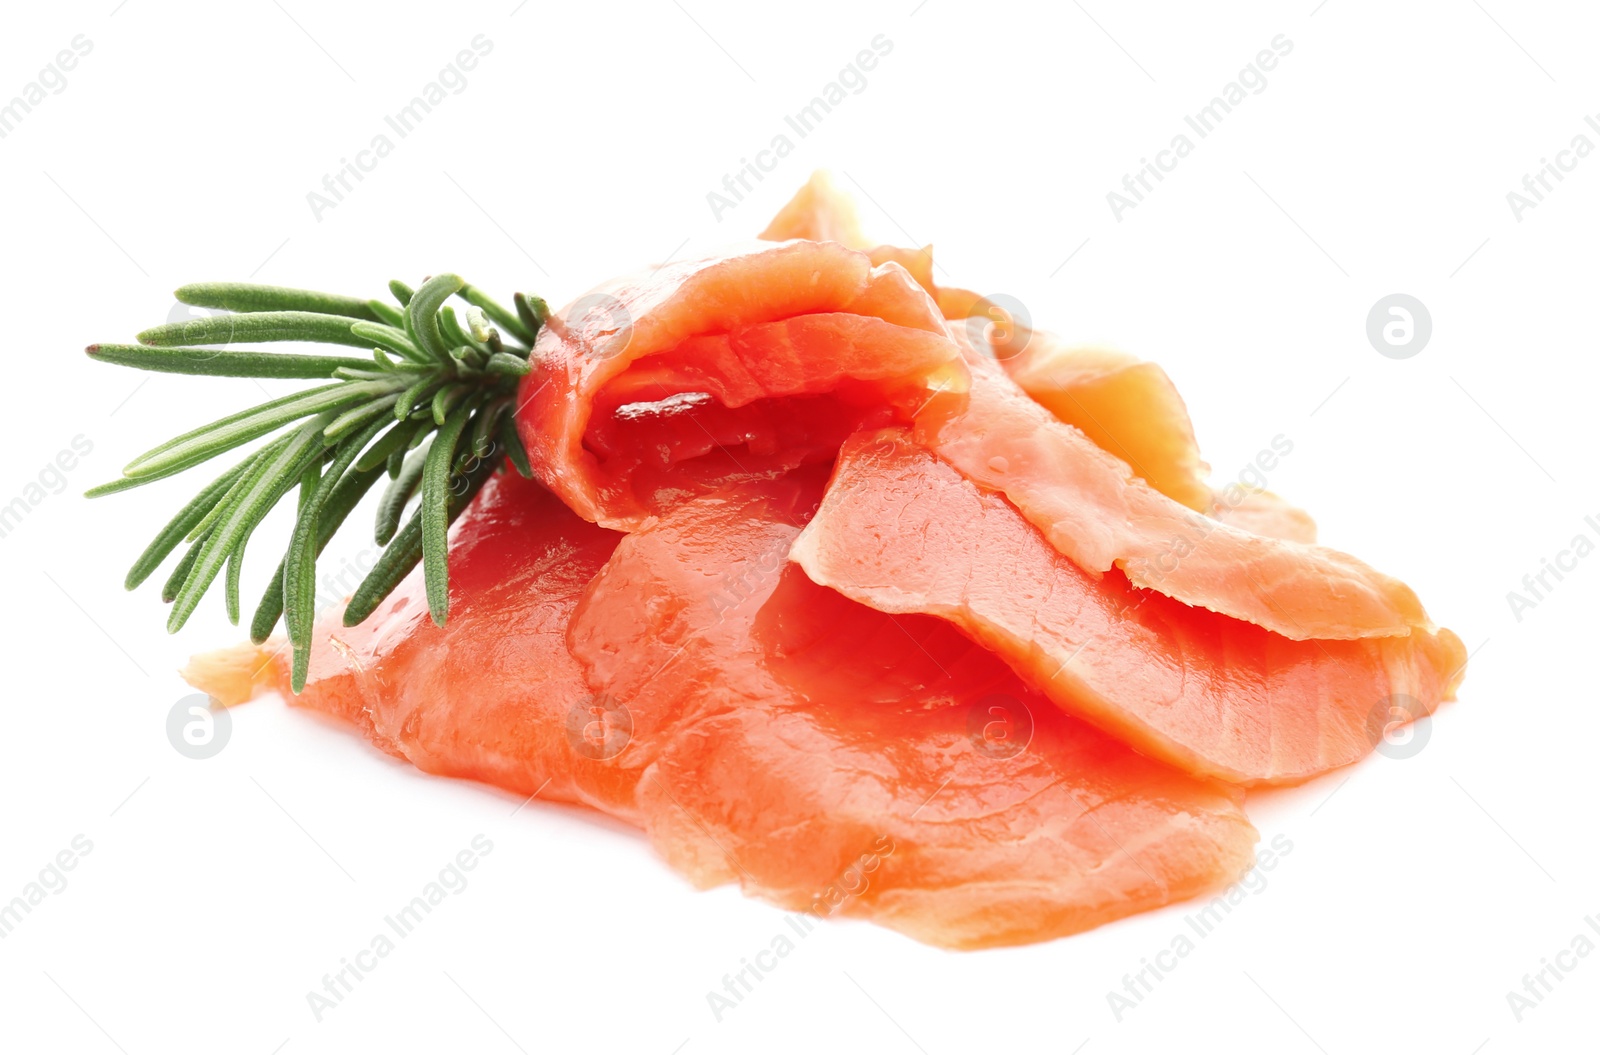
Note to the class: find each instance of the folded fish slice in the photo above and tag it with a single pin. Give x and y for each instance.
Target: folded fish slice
(490, 695)
(1094, 510)
(761, 728)
(1128, 407)
(621, 414)
(834, 759)
(903, 532)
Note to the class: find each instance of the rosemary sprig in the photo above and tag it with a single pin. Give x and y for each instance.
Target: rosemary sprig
(440, 387)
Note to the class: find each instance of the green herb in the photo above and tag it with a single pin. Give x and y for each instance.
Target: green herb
(434, 385)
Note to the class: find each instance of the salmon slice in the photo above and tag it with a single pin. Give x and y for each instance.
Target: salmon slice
(1125, 405)
(838, 760)
(1093, 509)
(822, 212)
(1128, 407)
(1264, 513)
(957, 304)
(495, 695)
(819, 211)
(623, 414)
(905, 533)
(763, 729)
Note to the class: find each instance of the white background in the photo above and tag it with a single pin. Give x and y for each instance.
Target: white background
(1377, 160)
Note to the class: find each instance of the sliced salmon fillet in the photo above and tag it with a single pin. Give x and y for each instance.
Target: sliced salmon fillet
(957, 304)
(1125, 405)
(623, 414)
(822, 212)
(1094, 509)
(905, 533)
(1128, 407)
(1264, 513)
(766, 730)
(836, 759)
(970, 701)
(494, 695)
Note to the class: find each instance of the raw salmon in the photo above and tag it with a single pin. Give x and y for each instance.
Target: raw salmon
(1129, 407)
(1264, 513)
(922, 615)
(494, 695)
(1094, 510)
(832, 758)
(743, 365)
(1125, 405)
(821, 212)
(905, 533)
(766, 730)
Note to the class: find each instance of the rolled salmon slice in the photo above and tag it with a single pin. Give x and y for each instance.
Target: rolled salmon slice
(838, 760)
(1096, 511)
(739, 366)
(903, 532)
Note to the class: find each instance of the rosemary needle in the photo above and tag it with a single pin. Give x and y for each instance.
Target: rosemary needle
(434, 384)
